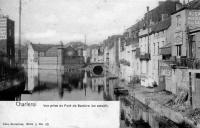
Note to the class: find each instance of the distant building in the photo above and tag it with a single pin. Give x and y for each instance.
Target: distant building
(7, 38)
(86, 55)
(32, 60)
(125, 59)
(41, 55)
(97, 54)
(70, 57)
(112, 54)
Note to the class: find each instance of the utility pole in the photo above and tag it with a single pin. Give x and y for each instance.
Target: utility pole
(148, 28)
(85, 38)
(19, 50)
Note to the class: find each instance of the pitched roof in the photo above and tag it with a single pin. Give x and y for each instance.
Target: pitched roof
(109, 42)
(161, 26)
(41, 47)
(195, 4)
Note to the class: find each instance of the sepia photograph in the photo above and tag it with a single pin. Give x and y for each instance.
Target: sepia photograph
(136, 61)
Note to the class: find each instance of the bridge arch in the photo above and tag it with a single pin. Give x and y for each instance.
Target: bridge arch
(97, 69)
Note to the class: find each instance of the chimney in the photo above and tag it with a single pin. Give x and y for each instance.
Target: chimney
(178, 6)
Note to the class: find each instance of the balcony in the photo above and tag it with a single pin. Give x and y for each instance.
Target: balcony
(189, 63)
(145, 56)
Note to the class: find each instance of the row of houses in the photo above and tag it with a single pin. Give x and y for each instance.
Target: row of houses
(162, 49)
(46, 56)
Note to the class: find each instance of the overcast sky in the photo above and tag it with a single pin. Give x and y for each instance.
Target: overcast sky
(49, 21)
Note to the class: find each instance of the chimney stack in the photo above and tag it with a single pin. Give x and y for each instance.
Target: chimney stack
(178, 6)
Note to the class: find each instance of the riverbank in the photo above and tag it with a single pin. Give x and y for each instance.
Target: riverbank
(159, 102)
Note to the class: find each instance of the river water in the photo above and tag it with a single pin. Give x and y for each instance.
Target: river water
(47, 85)
(75, 85)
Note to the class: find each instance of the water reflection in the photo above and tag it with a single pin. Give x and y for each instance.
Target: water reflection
(73, 85)
(58, 85)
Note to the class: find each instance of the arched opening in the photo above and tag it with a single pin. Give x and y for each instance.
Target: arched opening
(98, 70)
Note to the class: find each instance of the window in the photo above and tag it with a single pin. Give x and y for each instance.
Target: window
(158, 47)
(178, 20)
(178, 50)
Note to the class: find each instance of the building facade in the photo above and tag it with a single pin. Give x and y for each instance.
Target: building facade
(111, 54)
(7, 38)
(183, 46)
(70, 57)
(97, 54)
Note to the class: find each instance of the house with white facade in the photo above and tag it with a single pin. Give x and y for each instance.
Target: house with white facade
(158, 40)
(32, 57)
(44, 56)
(125, 59)
(129, 54)
(150, 43)
(145, 63)
(112, 54)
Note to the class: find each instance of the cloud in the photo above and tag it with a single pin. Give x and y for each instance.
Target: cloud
(40, 35)
(50, 18)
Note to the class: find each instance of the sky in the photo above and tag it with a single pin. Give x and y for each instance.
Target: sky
(52, 21)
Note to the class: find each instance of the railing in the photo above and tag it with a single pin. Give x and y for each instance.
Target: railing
(184, 62)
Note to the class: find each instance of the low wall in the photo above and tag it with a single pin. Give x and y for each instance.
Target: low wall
(164, 111)
(178, 81)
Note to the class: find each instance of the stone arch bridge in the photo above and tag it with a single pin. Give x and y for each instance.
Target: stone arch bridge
(96, 69)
